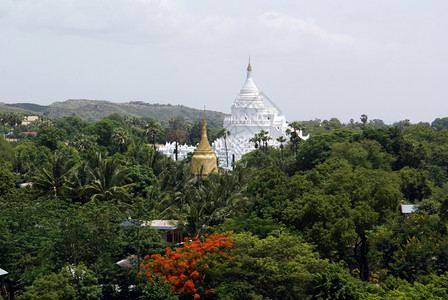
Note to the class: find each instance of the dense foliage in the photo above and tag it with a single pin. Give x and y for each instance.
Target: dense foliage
(316, 219)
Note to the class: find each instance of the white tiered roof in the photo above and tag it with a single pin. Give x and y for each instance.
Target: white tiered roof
(252, 113)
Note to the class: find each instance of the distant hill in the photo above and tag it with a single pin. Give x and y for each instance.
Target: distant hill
(29, 107)
(93, 110)
(20, 108)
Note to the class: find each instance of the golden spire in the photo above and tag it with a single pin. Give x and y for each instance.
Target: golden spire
(204, 145)
(249, 67)
(204, 159)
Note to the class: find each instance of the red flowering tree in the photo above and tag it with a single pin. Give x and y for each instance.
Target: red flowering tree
(186, 265)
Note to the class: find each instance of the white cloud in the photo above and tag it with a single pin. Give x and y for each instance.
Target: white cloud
(297, 29)
(287, 34)
(295, 33)
(124, 20)
(211, 30)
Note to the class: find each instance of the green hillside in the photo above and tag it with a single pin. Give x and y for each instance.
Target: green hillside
(93, 110)
(17, 109)
(29, 107)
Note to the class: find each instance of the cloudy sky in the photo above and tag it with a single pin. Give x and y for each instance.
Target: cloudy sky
(314, 59)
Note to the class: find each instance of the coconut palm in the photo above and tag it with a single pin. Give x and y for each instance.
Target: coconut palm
(120, 138)
(83, 141)
(107, 181)
(80, 177)
(53, 178)
(214, 200)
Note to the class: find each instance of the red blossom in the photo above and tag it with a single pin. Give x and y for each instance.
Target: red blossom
(182, 266)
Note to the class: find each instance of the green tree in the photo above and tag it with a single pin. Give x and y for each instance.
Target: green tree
(414, 184)
(108, 181)
(364, 119)
(73, 125)
(50, 136)
(72, 282)
(6, 151)
(413, 248)
(103, 129)
(336, 283)
(50, 287)
(281, 265)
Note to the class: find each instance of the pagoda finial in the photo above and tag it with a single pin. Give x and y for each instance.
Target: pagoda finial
(249, 67)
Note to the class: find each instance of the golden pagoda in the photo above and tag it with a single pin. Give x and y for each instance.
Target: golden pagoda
(204, 159)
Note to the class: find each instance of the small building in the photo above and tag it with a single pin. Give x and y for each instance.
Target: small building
(168, 230)
(28, 119)
(29, 133)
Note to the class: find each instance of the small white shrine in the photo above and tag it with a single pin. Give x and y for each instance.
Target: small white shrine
(182, 150)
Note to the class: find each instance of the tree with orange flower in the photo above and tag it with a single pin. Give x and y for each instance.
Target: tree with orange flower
(185, 265)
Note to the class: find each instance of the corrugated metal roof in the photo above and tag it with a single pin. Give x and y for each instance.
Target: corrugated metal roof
(128, 262)
(163, 224)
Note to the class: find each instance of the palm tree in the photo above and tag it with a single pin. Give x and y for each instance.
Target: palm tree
(120, 138)
(19, 120)
(53, 179)
(224, 133)
(364, 119)
(215, 200)
(84, 141)
(264, 137)
(256, 140)
(152, 131)
(107, 181)
(80, 177)
(176, 134)
(281, 139)
(297, 127)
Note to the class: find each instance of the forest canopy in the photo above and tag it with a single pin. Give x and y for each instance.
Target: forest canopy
(314, 219)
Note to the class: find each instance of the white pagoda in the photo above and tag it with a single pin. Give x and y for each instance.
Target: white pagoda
(251, 113)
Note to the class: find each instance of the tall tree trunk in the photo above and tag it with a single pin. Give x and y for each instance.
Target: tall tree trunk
(364, 261)
(175, 151)
(227, 154)
(361, 257)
